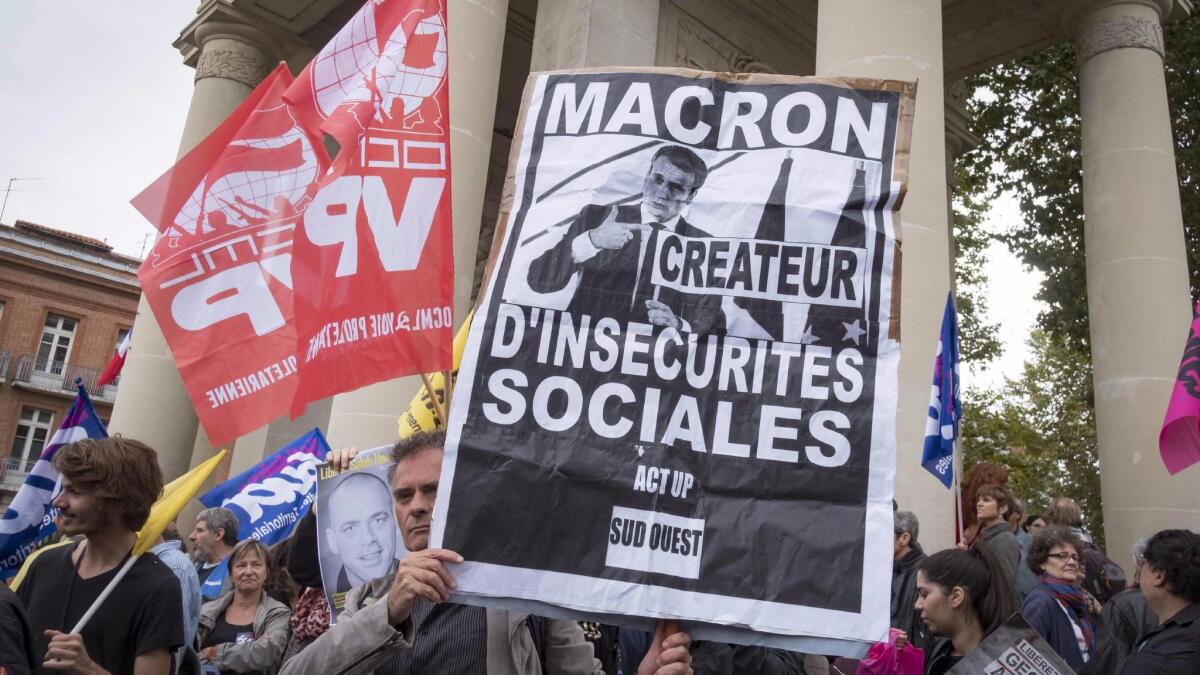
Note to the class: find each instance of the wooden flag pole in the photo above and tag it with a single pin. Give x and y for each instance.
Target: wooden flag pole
(437, 404)
(448, 388)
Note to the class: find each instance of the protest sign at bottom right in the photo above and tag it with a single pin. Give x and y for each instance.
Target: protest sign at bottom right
(1014, 648)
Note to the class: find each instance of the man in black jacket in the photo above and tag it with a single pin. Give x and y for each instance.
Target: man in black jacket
(612, 249)
(16, 643)
(1170, 582)
(907, 556)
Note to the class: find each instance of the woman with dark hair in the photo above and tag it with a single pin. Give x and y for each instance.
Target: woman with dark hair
(1056, 607)
(279, 584)
(245, 630)
(963, 595)
(1033, 524)
(1026, 579)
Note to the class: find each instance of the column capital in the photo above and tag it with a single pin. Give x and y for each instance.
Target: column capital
(224, 41)
(1119, 25)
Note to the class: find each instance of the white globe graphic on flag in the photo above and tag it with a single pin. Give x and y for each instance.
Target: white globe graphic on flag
(250, 197)
(351, 69)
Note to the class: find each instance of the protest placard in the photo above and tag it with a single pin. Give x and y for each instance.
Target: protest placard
(1013, 649)
(358, 538)
(678, 395)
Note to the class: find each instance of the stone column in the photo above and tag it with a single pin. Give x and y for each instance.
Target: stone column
(367, 417)
(152, 405)
(903, 41)
(586, 33)
(1137, 270)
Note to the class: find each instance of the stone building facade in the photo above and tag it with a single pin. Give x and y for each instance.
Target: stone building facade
(1137, 269)
(65, 302)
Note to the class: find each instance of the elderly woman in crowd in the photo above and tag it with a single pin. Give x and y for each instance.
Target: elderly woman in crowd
(1056, 607)
(245, 630)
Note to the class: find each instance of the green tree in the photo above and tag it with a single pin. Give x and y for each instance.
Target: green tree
(1026, 113)
(1041, 425)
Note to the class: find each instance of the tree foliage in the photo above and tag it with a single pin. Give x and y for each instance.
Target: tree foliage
(1027, 115)
(979, 341)
(1042, 428)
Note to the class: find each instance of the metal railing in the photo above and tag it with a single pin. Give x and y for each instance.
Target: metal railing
(13, 471)
(57, 376)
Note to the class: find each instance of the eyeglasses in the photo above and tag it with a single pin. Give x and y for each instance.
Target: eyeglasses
(1063, 557)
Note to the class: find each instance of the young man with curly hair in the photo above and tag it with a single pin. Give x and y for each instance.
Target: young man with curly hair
(108, 486)
(1170, 581)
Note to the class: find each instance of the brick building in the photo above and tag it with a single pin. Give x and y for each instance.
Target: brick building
(65, 302)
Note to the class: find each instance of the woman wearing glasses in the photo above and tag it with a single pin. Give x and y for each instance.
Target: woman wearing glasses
(1056, 607)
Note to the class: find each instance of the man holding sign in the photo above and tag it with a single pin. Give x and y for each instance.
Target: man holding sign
(404, 624)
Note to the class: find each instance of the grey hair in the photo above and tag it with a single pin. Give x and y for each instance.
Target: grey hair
(218, 518)
(1139, 550)
(906, 521)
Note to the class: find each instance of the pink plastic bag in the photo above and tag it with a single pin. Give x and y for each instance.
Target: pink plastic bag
(884, 659)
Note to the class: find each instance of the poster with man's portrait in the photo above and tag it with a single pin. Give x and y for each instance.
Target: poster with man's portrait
(357, 535)
(678, 395)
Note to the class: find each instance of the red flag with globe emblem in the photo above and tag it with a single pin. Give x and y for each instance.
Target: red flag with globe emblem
(220, 279)
(373, 258)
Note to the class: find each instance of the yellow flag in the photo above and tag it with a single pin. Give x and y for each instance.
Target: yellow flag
(176, 495)
(420, 416)
(16, 582)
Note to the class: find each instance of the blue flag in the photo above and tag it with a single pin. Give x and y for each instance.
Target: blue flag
(945, 408)
(29, 519)
(272, 496)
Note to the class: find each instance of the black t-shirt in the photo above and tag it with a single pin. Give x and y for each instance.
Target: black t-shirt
(223, 631)
(143, 613)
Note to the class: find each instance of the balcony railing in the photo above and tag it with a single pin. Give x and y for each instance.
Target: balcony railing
(57, 376)
(13, 471)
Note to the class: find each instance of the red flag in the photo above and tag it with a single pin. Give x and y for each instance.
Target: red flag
(1179, 440)
(220, 279)
(113, 369)
(373, 260)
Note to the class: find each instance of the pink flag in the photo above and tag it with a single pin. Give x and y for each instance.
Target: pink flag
(1179, 440)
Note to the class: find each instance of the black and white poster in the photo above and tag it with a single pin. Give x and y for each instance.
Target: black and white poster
(678, 395)
(357, 536)
(1014, 648)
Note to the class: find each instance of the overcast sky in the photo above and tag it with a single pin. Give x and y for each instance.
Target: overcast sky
(94, 100)
(93, 103)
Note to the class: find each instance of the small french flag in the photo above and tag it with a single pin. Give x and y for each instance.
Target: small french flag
(116, 363)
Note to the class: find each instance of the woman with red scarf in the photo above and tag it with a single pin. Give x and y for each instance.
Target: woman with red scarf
(1057, 608)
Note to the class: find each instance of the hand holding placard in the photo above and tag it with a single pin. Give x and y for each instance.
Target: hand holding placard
(668, 653)
(421, 574)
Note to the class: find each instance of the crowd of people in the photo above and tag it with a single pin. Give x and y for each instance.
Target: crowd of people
(1051, 572)
(214, 604)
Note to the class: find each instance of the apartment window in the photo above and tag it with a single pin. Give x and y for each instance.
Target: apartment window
(121, 333)
(57, 335)
(32, 432)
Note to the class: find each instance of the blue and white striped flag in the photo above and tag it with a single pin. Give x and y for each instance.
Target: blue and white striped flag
(945, 408)
(30, 518)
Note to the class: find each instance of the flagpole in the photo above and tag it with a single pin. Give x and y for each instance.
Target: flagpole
(958, 510)
(433, 399)
(87, 616)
